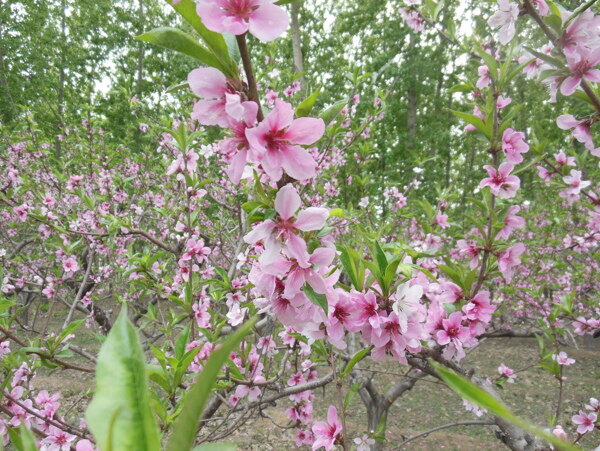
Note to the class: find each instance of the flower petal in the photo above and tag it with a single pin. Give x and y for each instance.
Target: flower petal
(313, 218)
(207, 82)
(268, 22)
(305, 131)
(298, 163)
(287, 201)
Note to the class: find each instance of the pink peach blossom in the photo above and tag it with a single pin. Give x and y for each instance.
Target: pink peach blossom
(278, 140)
(262, 18)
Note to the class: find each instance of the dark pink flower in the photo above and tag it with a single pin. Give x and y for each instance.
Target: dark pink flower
(278, 140)
(507, 372)
(326, 433)
(501, 183)
(453, 330)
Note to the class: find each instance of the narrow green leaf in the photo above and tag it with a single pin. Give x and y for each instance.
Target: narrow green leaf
(122, 394)
(544, 57)
(330, 113)
(349, 267)
(462, 87)
(181, 343)
(72, 327)
(186, 425)
(355, 359)
(338, 212)
(174, 39)
(307, 104)
(22, 439)
(352, 391)
(318, 299)
(380, 257)
(473, 120)
(177, 87)
(490, 62)
(476, 395)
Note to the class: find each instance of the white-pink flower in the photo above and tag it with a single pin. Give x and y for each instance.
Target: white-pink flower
(505, 19)
(575, 183)
(563, 359)
(70, 265)
(406, 304)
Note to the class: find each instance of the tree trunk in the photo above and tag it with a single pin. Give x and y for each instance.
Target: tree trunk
(411, 120)
(8, 105)
(140, 55)
(297, 41)
(61, 78)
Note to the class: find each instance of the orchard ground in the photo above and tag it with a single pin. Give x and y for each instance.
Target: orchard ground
(427, 405)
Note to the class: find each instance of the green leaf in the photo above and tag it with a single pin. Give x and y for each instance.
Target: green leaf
(177, 87)
(473, 120)
(462, 87)
(22, 439)
(318, 299)
(390, 274)
(181, 343)
(544, 57)
(214, 41)
(122, 394)
(330, 113)
(72, 327)
(355, 359)
(490, 62)
(307, 104)
(352, 391)
(476, 395)
(380, 257)
(232, 47)
(184, 429)
(349, 265)
(174, 39)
